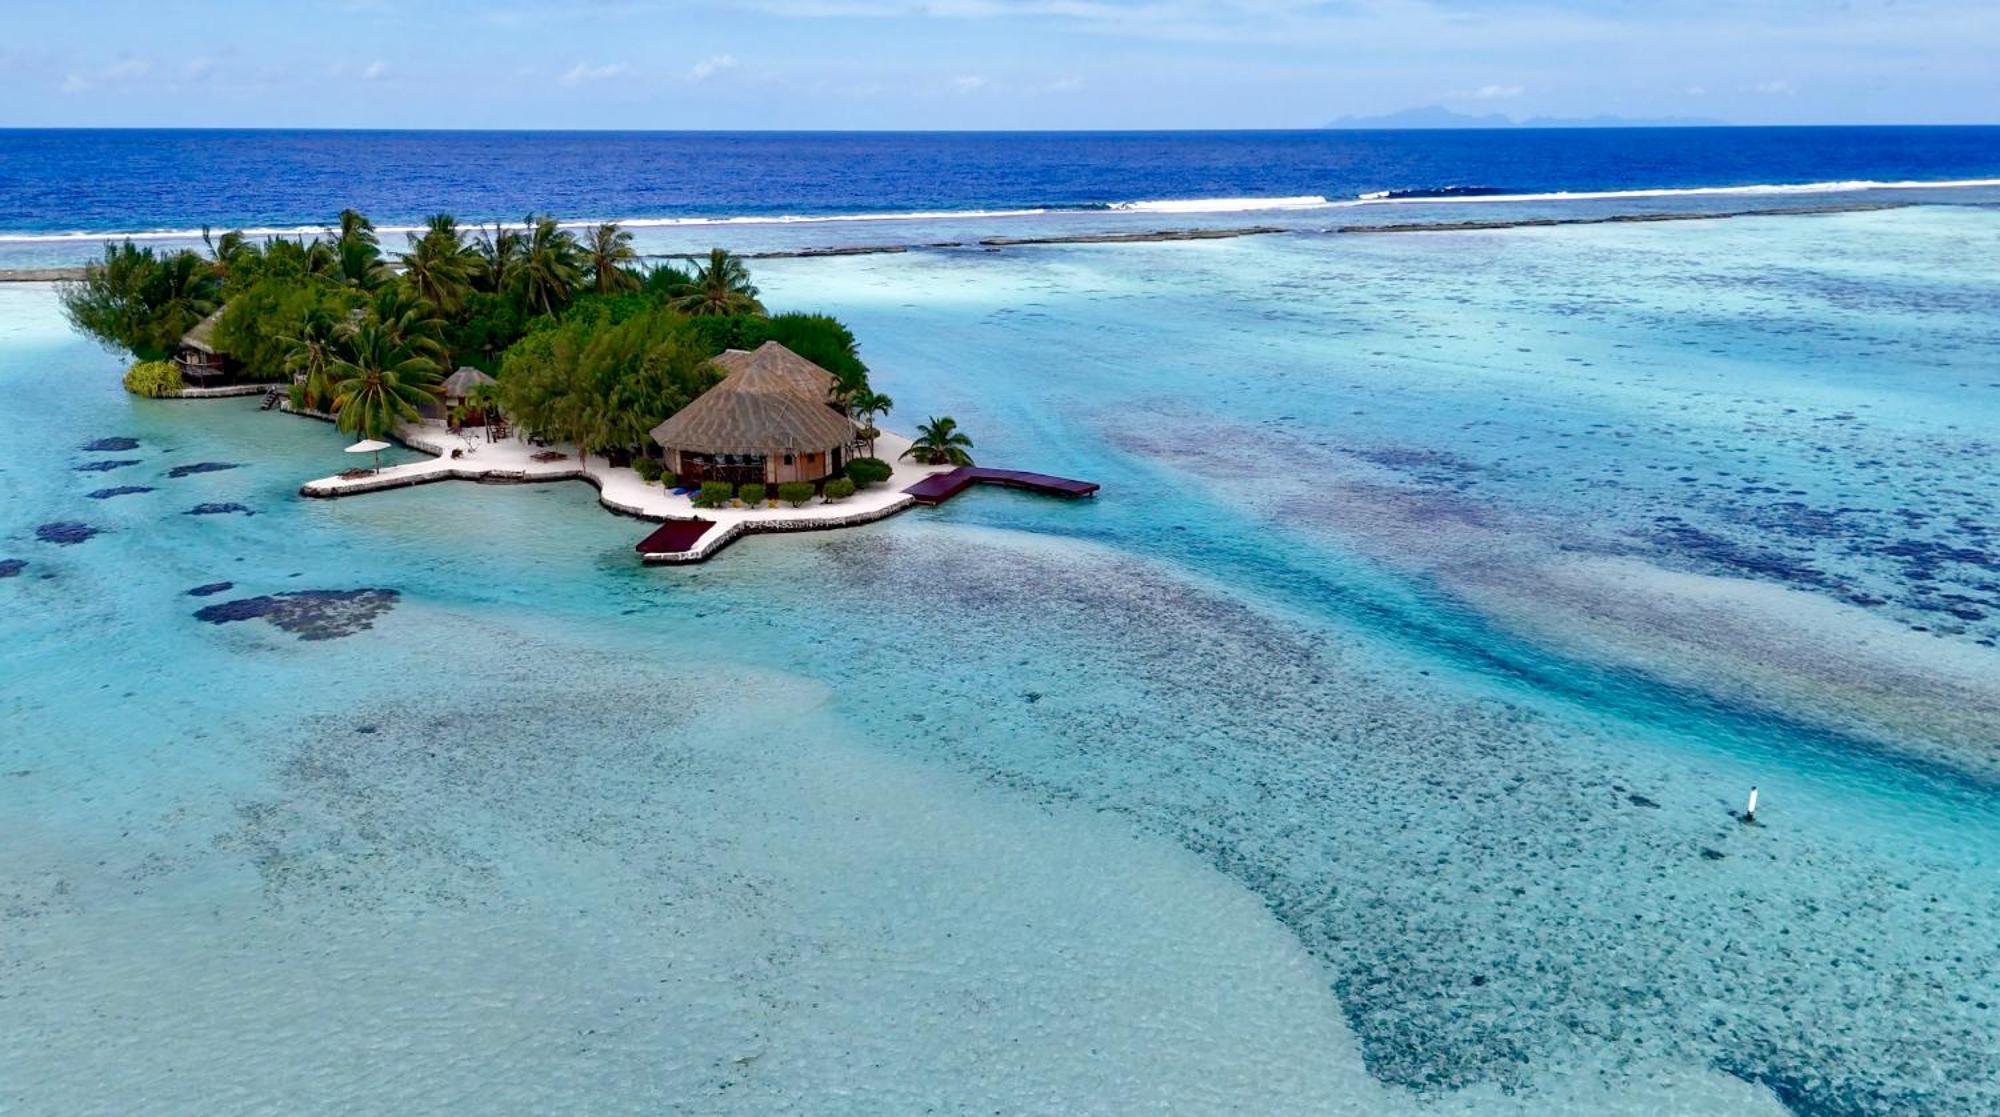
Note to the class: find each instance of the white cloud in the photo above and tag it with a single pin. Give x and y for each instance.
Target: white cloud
(583, 72)
(1063, 85)
(968, 83)
(121, 71)
(709, 67)
(375, 71)
(1775, 87)
(198, 68)
(1496, 92)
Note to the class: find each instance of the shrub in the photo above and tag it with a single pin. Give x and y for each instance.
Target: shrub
(868, 471)
(752, 494)
(840, 488)
(795, 493)
(648, 469)
(666, 479)
(714, 494)
(296, 394)
(154, 379)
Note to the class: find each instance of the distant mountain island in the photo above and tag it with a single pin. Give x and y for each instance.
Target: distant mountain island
(1437, 116)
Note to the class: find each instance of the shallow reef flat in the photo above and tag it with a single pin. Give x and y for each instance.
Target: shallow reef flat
(1374, 743)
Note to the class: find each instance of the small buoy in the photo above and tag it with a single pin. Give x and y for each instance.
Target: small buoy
(1750, 811)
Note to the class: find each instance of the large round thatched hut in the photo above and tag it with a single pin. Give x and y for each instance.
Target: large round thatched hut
(770, 420)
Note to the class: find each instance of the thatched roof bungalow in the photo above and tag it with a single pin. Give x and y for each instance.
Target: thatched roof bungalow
(460, 384)
(197, 356)
(770, 420)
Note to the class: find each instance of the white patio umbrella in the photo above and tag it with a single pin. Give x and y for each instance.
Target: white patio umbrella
(370, 446)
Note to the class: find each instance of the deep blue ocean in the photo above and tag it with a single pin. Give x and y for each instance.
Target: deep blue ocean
(99, 181)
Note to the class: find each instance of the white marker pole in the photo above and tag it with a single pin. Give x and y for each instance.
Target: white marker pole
(1750, 812)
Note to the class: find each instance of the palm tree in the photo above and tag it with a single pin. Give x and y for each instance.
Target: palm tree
(320, 259)
(183, 291)
(357, 254)
(411, 321)
(869, 403)
(721, 286)
(551, 265)
(439, 264)
(223, 251)
(310, 358)
(609, 248)
(940, 442)
(379, 382)
(357, 228)
(499, 250)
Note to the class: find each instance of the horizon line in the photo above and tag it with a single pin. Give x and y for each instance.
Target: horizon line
(1518, 127)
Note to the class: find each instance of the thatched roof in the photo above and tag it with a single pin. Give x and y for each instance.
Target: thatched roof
(770, 401)
(202, 337)
(460, 384)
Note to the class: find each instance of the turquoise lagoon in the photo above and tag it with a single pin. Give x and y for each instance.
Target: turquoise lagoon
(1372, 744)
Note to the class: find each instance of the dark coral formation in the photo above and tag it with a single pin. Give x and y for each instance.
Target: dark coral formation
(65, 532)
(201, 467)
(118, 490)
(308, 614)
(117, 443)
(11, 567)
(106, 465)
(210, 589)
(219, 510)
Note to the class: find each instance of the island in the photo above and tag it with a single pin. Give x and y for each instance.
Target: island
(666, 385)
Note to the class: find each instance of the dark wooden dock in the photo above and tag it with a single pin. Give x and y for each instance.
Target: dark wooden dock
(674, 536)
(941, 487)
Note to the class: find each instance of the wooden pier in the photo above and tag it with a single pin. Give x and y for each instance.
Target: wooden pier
(943, 486)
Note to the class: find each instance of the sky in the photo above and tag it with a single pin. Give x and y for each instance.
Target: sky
(987, 64)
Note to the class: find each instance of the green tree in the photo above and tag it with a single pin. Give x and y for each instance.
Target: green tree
(141, 301)
(720, 286)
(412, 321)
(551, 266)
(940, 442)
(439, 265)
(602, 386)
(868, 404)
(500, 252)
(259, 326)
(610, 249)
(357, 253)
(379, 381)
(311, 354)
(664, 281)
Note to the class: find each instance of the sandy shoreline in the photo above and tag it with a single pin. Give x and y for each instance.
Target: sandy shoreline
(621, 489)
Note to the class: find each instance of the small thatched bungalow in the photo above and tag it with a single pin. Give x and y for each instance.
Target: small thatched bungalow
(452, 394)
(197, 356)
(769, 421)
(460, 384)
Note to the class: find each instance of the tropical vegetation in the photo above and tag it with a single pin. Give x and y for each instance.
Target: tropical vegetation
(940, 442)
(140, 300)
(715, 494)
(868, 471)
(589, 345)
(153, 378)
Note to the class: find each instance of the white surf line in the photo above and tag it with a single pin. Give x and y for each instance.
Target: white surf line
(1164, 205)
